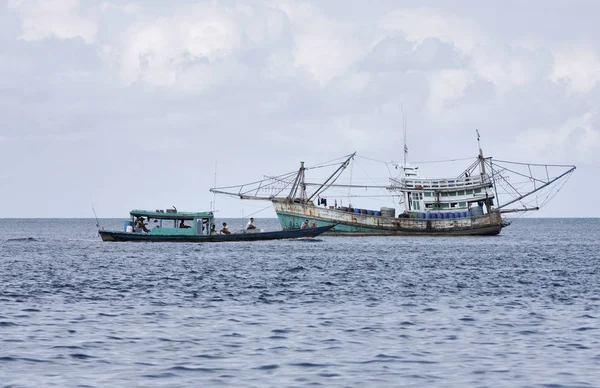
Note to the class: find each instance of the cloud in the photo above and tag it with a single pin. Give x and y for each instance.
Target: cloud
(327, 48)
(575, 141)
(395, 53)
(41, 19)
(422, 23)
(201, 46)
(261, 86)
(578, 65)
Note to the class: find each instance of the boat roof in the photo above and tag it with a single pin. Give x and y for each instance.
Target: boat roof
(170, 215)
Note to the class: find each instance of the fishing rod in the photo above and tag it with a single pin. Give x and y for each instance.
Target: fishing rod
(95, 216)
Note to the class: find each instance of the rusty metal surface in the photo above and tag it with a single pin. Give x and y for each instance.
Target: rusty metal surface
(291, 215)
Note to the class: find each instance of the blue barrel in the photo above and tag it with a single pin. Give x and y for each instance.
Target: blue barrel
(452, 215)
(427, 216)
(465, 214)
(377, 213)
(363, 211)
(370, 212)
(446, 215)
(126, 224)
(356, 211)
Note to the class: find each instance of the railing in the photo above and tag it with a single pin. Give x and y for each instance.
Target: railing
(453, 183)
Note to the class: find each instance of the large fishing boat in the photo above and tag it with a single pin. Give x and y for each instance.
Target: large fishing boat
(174, 226)
(466, 204)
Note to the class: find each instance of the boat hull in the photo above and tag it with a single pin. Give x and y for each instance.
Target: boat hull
(120, 236)
(292, 214)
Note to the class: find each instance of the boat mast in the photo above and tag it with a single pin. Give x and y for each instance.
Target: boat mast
(406, 195)
(404, 130)
(299, 183)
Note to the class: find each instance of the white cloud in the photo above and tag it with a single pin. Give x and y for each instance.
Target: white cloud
(158, 51)
(576, 140)
(289, 79)
(200, 46)
(578, 65)
(42, 19)
(129, 8)
(326, 47)
(422, 23)
(446, 86)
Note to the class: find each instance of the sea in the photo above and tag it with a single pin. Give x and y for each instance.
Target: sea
(521, 309)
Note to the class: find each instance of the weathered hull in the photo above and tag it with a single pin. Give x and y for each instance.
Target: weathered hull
(112, 235)
(292, 214)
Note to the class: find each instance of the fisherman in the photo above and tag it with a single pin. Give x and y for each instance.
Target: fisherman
(225, 229)
(183, 225)
(213, 229)
(304, 225)
(250, 224)
(140, 224)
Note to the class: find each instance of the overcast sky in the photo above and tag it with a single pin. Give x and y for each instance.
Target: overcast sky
(132, 104)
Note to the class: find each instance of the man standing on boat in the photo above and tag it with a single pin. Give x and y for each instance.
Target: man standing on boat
(250, 224)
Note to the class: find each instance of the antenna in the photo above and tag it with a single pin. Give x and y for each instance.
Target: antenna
(404, 133)
(481, 159)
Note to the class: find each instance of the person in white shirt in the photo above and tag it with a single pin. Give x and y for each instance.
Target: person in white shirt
(304, 225)
(225, 229)
(250, 224)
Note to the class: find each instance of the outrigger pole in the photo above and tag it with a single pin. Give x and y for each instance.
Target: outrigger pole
(538, 189)
(325, 186)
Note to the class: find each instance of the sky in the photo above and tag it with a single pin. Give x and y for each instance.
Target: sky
(147, 104)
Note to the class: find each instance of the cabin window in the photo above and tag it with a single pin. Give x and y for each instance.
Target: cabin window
(444, 194)
(444, 205)
(469, 192)
(453, 204)
(427, 194)
(462, 204)
(462, 192)
(477, 191)
(453, 194)
(416, 205)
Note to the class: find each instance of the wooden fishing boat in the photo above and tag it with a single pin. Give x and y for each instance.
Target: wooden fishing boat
(174, 226)
(466, 204)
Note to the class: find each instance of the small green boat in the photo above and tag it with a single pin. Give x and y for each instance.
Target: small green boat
(174, 226)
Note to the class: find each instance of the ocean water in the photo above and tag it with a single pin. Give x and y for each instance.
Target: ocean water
(521, 309)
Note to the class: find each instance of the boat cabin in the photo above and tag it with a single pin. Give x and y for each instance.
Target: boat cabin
(171, 222)
(466, 194)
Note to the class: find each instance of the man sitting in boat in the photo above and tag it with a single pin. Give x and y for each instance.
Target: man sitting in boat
(250, 224)
(225, 229)
(183, 225)
(304, 225)
(213, 229)
(140, 224)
